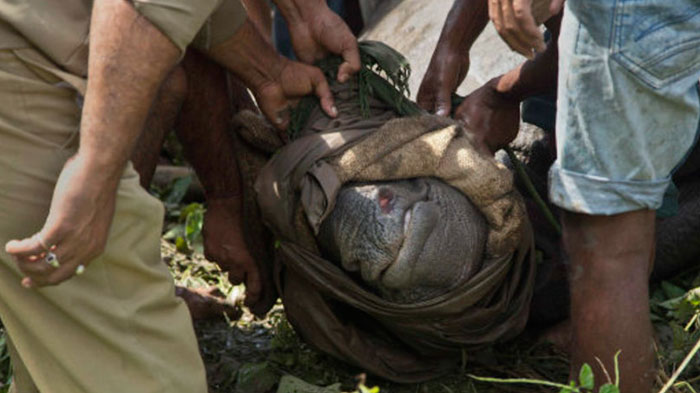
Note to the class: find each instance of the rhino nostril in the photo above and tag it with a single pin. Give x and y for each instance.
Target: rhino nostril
(385, 197)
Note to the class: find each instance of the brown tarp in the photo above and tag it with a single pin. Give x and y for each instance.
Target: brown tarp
(296, 189)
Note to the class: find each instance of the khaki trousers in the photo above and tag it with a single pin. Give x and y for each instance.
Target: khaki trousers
(116, 328)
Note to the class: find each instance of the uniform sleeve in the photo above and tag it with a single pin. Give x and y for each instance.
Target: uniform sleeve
(222, 24)
(210, 21)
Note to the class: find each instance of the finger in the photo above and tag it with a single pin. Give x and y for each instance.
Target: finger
(323, 92)
(253, 286)
(555, 6)
(27, 282)
(24, 248)
(495, 14)
(236, 276)
(273, 104)
(34, 268)
(511, 31)
(443, 103)
(530, 34)
(59, 275)
(351, 63)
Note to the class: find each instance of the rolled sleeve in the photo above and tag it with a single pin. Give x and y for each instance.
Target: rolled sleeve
(206, 22)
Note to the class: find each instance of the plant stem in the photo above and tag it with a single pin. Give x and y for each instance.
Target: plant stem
(680, 369)
(533, 192)
(573, 389)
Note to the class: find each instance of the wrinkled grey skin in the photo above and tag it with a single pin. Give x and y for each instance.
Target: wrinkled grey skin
(410, 240)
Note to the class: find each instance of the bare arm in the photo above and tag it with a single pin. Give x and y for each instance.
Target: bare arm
(492, 112)
(203, 130)
(129, 58)
(450, 62)
(274, 80)
(316, 30)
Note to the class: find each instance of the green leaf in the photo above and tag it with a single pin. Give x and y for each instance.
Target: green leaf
(181, 245)
(672, 291)
(364, 389)
(178, 190)
(609, 388)
(174, 232)
(585, 377)
(255, 378)
(194, 221)
(189, 209)
(290, 384)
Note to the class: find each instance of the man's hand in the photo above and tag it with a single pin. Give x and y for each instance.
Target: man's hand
(490, 116)
(275, 81)
(316, 30)
(76, 228)
(129, 59)
(450, 62)
(516, 21)
(224, 244)
(446, 71)
(290, 81)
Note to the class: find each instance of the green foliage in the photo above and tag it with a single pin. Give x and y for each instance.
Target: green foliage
(5, 366)
(585, 377)
(177, 190)
(609, 388)
(186, 230)
(585, 384)
(384, 75)
(361, 388)
(676, 311)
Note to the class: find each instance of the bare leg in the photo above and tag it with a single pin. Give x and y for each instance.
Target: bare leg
(610, 264)
(164, 114)
(160, 122)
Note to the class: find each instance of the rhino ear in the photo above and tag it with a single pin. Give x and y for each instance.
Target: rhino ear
(256, 131)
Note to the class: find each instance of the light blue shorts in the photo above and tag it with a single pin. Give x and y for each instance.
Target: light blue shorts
(628, 106)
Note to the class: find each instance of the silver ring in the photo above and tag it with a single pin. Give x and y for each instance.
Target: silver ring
(51, 259)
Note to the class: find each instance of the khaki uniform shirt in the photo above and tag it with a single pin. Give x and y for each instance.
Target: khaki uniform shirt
(59, 30)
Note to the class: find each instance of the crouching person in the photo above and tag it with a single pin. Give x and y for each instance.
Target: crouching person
(87, 303)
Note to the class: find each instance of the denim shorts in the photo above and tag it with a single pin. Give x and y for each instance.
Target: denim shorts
(628, 105)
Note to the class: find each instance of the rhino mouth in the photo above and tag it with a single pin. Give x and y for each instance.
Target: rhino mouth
(419, 223)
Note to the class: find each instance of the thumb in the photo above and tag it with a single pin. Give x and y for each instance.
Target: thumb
(274, 105)
(443, 103)
(25, 247)
(351, 63)
(253, 287)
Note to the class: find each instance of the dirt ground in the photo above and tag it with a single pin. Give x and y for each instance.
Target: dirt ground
(251, 355)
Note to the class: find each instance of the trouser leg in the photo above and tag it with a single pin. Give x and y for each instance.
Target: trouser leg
(116, 328)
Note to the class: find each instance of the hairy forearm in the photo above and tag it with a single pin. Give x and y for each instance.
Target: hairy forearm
(248, 56)
(260, 14)
(129, 59)
(294, 11)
